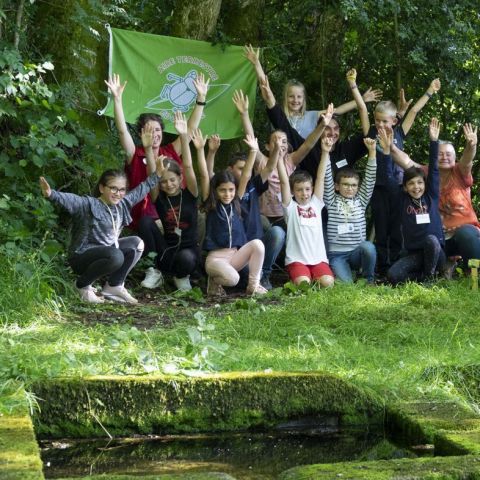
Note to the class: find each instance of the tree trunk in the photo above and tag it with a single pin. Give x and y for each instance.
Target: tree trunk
(196, 21)
(18, 23)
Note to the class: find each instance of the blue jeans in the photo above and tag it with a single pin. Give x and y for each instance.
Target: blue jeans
(364, 257)
(465, 242)
(273, 239)
(418, 265)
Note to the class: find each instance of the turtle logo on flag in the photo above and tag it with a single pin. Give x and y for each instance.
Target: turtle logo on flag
(180, 94)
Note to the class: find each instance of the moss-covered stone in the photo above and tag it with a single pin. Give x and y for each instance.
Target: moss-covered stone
(441, 468)
(167, 404)
(19, 453)
(452, 428)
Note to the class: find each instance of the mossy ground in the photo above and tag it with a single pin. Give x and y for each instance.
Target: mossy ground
(407, 344)
(19, 452)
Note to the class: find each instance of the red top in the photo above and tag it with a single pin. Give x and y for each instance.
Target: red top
(137, 172)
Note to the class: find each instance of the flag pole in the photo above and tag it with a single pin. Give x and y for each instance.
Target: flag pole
(110, 56)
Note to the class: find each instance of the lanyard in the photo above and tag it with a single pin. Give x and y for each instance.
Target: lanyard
(116, 226)
(177, 220)
(229, 218)
(418, 203)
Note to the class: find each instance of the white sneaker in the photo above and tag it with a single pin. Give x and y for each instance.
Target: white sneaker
(87, 294)
(183, 283)
(153, 278)
(118, 294)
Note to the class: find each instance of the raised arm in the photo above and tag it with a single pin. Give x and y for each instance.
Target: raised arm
(253, 56)
(284, 184)
(401, 158)
(369, 96)
(241, 102)
(213, 146)
(147, 142)
(45, 187)
(319, 188)
(201, 86)
(267, 94)
(403, 104)
(384, 167)
(247, 169)
(199, 142)
(126, 140)
(297, 156)
(433, 88)
(466, 161)
(180, 124)
(362, 108)
(272, 162)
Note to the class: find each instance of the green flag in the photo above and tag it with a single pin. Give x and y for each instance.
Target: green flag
(160, 72)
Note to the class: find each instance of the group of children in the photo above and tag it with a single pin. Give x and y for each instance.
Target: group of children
(303, 194)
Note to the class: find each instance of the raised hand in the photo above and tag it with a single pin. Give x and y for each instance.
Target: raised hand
(45, 187)
(115, 86)
(327, 116)
(435, 85)
(403, 104)
(352, 76)
(327, 144)
(180, 123)
(372, 95)
(241, 101)
(371, 145)
(201, 86)
(198, 139)
(252, 142)
(385, 138)
(434, 129)
(214, 143)
(251, 54)
(266, 92)
(470, 134)
(160, 167)
(147, 136)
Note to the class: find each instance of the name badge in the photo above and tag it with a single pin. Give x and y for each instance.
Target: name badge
(344, 228)
(422, 218)
(178, 231)
(342, 163)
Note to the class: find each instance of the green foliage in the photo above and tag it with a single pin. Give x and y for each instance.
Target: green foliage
(39, 136)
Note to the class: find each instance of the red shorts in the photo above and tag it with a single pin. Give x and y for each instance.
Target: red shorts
(297, 269)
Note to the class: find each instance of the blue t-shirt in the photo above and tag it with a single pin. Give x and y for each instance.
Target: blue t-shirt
(251, 207)
(224, 228)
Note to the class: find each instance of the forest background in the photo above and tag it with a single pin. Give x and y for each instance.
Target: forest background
(53, 60)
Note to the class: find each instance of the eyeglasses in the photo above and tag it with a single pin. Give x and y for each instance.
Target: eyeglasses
(349, 185)
(121, 191)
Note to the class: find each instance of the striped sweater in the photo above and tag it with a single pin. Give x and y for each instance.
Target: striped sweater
(347, 225)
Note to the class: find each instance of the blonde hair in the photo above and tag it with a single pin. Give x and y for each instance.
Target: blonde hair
(387, 107)
(294, 83)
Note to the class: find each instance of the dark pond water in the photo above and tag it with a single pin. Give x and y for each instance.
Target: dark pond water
(245, 455)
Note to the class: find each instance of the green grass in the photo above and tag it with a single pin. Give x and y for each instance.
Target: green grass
(381, 338)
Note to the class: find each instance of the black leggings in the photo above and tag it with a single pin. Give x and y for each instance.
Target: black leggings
(418, 264)
(151, 235)
(115, 263)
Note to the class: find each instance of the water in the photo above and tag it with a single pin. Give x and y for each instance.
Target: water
(245, 456)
